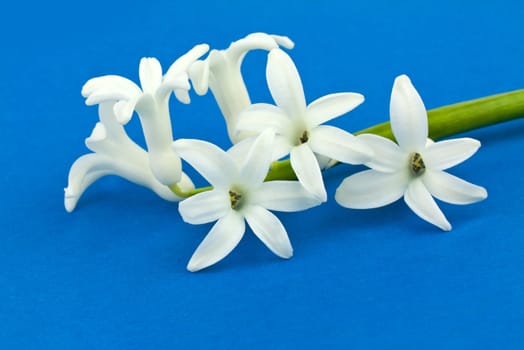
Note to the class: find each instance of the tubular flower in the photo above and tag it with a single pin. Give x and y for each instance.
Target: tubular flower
(151, 102)
(221, 73)
(114, 154)
(239, 194)
(299, 128)
(413, 168)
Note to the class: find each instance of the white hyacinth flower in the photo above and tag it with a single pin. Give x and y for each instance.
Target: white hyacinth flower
(221, 72)
(413, 169)
(151, 102)
(114, 154)
(299, 128)
(239, 193)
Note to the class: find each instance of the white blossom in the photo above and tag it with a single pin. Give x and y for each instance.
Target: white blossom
(114, 154)
(221, 72)
(299, 128)
(151, 102)
(413, 169)
(239, 194)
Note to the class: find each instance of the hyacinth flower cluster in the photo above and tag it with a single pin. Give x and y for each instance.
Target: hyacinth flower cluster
(278, 151)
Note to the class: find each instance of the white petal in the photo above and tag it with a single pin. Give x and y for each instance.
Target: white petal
(282, 147)
(219, 242)
(285, 196)
(269, 230)
(443, 155)
(146, 107)
(418, 198)
(325, 162)
(90, 167)
(229, 90)
(185, 183)
(387, 155)
(109, 87)
(156, 122)
(409, 120)
(124, 110)
(256, 164)
(99, 133)
(182, 64)
(199, 75)
(205, 207)
(332, 106)
(84, 171)
(108, 117)
(240, 150)
(215, 165)
(106, 94)
(156, 126)
(371, 189)
(99, 142)
(451, 189)
(261, 116)
(306, 167)
(255, 41)
(182, 95)
(226, 82)
(179, 84)
(283, 41)
(166, 166)
(150, 74)
(116, 154)
(338, 144)
(285, 84)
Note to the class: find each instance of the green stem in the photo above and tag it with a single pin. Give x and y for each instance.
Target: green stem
(465, 116)
(185, 194)
(281, 170)
(442, 122)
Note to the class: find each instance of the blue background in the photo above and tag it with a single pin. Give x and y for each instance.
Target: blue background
(111, 275)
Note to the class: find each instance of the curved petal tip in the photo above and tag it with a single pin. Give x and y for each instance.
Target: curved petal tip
(70, 200)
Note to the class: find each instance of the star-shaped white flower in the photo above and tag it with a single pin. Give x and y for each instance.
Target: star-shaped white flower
(152, 105)
(413, 169)
(221, 72)
(299, 128)
(239, 193)
(114, 154)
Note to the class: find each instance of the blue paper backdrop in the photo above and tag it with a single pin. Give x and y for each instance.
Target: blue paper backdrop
(111, 275)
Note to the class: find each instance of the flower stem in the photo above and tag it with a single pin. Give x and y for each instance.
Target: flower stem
(185, 194)
(465, 116)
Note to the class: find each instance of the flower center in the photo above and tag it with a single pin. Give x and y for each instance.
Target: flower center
(235, 199)
(304, 138)
(416, 164)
